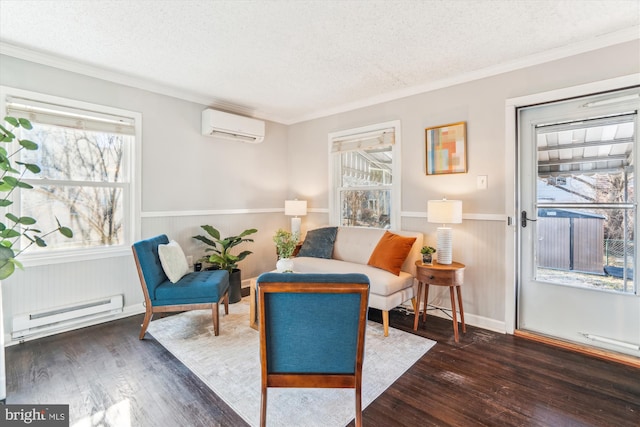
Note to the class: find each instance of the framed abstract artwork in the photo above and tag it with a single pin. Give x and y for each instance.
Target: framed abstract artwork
(446, 149)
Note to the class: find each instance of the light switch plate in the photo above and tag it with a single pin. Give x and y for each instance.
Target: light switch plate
(482, 182)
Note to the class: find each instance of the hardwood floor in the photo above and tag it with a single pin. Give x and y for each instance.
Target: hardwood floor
(109, 377)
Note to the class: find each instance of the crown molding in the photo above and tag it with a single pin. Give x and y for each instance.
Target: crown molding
(599, 42)
(124, 79)
(610, 39)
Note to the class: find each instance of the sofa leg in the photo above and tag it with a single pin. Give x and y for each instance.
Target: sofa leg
(145, 323)
(226, 303)
(414, 304)
(385, 322)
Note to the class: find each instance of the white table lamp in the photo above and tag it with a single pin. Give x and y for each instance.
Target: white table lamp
(444, 212)
(295, 208)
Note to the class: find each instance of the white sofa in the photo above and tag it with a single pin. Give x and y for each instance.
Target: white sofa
(351, 252)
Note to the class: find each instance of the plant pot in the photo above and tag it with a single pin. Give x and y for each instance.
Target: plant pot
(235, 286)
(427, 259)
(284, 265)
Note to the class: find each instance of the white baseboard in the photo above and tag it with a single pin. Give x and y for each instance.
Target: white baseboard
(469, 318)
(127, 311)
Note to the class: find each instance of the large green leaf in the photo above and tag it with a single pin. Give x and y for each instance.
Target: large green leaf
(66, 232)
(7, 132)
(12, 217)
(28, 145)
(12, 121)
(26, 220)
(11, 181)
(25, 123)
(205, 240)
(33, 168)
(22, 184)
(247, 232)
(4, 187)
(9, 233)
(6, 266)
(212, 231)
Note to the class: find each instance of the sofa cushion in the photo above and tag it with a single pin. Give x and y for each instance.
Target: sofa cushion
(355, 244)
(173, 261)
(382, 282)
(390, 252)
(319, 243)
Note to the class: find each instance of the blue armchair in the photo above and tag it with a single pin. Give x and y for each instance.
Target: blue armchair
(194, 291)
(312, 329)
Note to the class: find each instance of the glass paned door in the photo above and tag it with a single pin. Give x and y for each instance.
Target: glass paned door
(579, 220)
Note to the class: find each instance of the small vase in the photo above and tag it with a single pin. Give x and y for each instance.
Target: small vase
(427, 259)
(284, 265)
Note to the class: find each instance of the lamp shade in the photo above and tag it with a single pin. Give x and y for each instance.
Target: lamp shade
(444, 211)
(295, 207)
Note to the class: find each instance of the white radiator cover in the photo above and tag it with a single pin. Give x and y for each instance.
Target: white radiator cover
(28, 324)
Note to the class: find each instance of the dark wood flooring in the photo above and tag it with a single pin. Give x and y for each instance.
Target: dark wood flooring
(108, 376)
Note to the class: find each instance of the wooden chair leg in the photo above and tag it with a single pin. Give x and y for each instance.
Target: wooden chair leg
(385, 322)
(226, 303)
(145, 323)
(216, 319)
(263, 407)
(359, 406)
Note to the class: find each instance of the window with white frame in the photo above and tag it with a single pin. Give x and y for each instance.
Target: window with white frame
(85, 155)
(363, 163)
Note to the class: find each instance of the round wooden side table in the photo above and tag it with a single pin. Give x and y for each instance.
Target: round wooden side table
(451, 275)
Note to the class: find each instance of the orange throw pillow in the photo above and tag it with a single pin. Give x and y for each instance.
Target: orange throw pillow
(390, 252)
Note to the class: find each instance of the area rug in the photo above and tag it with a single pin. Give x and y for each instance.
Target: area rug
(230, 365)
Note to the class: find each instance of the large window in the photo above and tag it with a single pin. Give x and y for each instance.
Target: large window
(587, 203)
(363, 164)
(85, 155)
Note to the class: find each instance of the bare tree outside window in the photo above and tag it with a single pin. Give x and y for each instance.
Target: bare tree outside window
(82, 182)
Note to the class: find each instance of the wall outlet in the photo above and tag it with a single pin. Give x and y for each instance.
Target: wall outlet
(482, 182)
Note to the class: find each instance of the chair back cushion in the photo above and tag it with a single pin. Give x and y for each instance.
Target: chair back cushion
(309, 330)
(149, 262)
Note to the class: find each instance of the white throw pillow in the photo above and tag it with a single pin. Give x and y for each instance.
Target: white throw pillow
(173, 261)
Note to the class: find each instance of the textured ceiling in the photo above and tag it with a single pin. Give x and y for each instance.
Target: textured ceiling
(290, 60)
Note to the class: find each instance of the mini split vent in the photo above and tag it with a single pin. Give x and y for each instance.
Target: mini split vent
(219, 124)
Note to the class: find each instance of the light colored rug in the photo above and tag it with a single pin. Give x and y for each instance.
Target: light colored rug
(230, 365)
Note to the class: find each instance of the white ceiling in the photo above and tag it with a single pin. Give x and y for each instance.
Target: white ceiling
(292, 60)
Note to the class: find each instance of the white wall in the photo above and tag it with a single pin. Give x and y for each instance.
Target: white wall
(479, 243)
(189, 180)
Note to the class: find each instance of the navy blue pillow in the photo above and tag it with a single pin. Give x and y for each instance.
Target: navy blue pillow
(319, 243)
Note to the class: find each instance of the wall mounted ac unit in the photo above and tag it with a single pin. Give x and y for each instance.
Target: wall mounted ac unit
(219, 124)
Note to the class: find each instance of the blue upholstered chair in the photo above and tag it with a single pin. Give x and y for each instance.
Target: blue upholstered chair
(195, 291)
(312, 329)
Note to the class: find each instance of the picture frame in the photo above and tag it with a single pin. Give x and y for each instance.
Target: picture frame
(446, 149)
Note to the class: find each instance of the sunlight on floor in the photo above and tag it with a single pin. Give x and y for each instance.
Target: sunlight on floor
(116, 415)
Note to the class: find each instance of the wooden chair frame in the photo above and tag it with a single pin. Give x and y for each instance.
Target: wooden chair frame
(150, 309)
(313, 380)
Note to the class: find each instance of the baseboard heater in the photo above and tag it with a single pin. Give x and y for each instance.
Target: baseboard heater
(65, 317)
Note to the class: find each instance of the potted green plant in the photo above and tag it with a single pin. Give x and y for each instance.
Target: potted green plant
(427, 254)
(15, 228)
(286, 243)
(222, 257)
